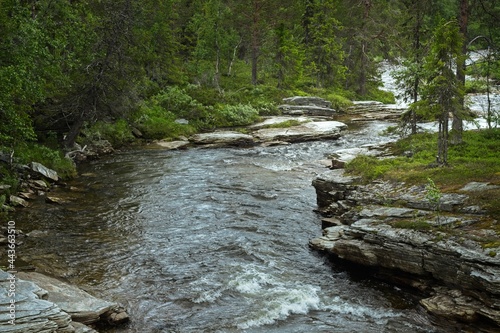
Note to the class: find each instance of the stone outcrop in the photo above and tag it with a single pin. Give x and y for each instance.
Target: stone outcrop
(394, 230)
(31, 312)
(80, 305)
(308, 105)
(44, 304)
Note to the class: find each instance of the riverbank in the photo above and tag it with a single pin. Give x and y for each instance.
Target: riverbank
(439, 238)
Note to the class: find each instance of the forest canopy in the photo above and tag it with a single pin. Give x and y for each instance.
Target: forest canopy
(68, 68)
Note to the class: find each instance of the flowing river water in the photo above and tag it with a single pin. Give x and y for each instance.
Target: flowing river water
(212, 240)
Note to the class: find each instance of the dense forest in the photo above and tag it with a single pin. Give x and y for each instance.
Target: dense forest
(72, 70)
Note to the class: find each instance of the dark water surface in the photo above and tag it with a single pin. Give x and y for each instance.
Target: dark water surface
(211, 241)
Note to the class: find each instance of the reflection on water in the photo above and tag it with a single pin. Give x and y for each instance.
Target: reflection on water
(212, 241)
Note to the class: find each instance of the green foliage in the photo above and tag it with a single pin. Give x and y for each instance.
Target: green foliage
(177, 101)
(325, 52)
(380, 95)
(433, 195)
(285, 124)
(289, 56)
(369, 167)
(235, 115)
(157, 123)
(8, 177)
(339, 102)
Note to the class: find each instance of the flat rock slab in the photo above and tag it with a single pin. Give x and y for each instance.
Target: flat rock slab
(309, 110)
(33, 313)
(173, 145)
(308, 100)
(305, 132)
(224, 138)
(44, 171)
(279, 120)
(82, 307)
(476, 186)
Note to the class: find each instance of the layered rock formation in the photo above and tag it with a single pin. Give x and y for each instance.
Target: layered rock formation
(307, 105)
(32, 302)
(450, 254)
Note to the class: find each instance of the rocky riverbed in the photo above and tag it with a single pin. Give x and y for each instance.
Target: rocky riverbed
(451, 256)
(382, 226)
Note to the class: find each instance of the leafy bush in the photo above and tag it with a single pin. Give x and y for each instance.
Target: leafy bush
(157, 123)
(118, 134)
(177, 101)
(235, 115)
(8, 177)
(339, 102)
(369, 167)
(383, 96)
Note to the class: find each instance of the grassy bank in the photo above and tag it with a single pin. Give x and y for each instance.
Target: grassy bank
(477, 159)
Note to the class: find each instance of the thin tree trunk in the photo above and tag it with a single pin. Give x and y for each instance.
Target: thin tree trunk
(255, 42)
(235, 50)
(217, 58)
(74, 131)
(416, 47)
(457, 124)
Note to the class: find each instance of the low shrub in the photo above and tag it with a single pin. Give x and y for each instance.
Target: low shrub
(339, 102)
(156, 123)
(118, 133)
(53, 159)
(285, 124)
(235, 115)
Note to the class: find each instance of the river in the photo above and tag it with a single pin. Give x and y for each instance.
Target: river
(212, 240)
